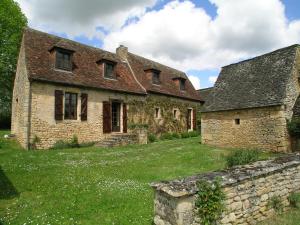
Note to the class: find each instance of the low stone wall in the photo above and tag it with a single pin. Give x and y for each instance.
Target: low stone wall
(248, 190)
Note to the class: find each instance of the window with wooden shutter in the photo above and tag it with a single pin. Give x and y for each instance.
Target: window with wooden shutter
(106, 117)
(70, 106)
(63, 60)
(84, 105)
(124, 118)
(58, 105)
(188, 119)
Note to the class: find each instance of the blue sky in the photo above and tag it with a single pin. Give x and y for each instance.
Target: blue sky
(196, 36)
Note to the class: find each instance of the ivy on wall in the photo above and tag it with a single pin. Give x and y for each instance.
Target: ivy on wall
(142, 112)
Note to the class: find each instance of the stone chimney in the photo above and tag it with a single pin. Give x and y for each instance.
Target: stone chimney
(122, 52)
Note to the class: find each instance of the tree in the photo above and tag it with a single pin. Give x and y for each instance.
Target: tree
(12, 22)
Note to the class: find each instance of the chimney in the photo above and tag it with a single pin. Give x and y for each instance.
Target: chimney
(122, 52)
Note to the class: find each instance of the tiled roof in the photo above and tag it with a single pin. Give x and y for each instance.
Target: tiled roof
(167, 74)
(258, 82)
(204, 93)
(86, 72)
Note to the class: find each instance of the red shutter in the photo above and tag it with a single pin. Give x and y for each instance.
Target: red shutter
(106, 117)
(124, 118)
(84, 105)
(59, 105)
(188, 119)
(194, 119)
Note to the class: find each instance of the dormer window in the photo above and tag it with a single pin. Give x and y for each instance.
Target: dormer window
(155, 77)
(109, 70)
(63, 60)
(182, 84)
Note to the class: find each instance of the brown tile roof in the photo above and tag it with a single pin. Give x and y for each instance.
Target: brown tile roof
(167, 76)
(86, 72)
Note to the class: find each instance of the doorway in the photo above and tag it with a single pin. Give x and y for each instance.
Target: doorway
(115, 116)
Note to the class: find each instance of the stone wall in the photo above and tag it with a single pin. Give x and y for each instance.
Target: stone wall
(20, 103)
(248, 191)
(258, 128)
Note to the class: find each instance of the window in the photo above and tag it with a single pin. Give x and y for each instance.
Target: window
(182, 84)
(70, 106)
(63, 60)
(157, 113)
(155, 77)
(109, 70)
(237, 121)
(176, 114)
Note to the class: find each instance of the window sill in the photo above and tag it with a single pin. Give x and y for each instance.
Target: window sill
(110, 78)
(64, 71)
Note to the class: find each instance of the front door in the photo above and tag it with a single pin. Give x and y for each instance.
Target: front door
(115, 116)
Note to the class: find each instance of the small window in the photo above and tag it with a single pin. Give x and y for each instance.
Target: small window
(63, 60)
(109, 70)
(155, 77)
(157, 113)
(182, 84)
(70, 106)
(237, 121)
(176, 114)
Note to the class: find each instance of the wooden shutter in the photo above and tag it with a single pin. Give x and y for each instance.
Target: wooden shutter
(84, 105)
(106, 117)
(194, 119)
(58, 105)
(124, 118)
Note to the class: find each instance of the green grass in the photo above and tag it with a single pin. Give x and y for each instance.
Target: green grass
(94, 185)
(291, 217)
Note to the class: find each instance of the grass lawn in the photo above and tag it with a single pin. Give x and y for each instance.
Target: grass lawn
(291, 217)
(94, 185)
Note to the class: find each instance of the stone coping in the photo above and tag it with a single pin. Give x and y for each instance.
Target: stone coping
(228, 177)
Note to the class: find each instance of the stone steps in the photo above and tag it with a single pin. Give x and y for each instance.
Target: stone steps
(117, 140)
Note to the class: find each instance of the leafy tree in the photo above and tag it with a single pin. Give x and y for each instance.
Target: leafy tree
(12, 22)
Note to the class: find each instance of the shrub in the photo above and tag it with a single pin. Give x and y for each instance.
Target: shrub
(60, 144)
(74, 142)
(294, 200)
(166, 136)
(242, 157)
(175, 135)
(133, 126)
(210, 201)
(152, 138)
(185, 135)
(276, 204)
(194, 133)
(86, 144)
(34, 142)
(294, 127)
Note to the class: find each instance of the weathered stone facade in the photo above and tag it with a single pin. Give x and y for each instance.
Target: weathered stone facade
(258, 128)
(248, 192)
(20, 124)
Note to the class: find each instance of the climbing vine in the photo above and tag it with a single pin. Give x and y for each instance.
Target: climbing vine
(210, 201)
(142, 112)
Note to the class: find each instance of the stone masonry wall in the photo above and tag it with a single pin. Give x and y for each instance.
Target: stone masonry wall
(248, 191)
(20, 102)
(49, 131)
(259, 128)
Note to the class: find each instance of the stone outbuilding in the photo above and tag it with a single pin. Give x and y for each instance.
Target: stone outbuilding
(252, 101)
(64, 88)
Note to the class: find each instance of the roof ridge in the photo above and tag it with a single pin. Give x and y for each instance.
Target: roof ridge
(263, 55)
(69, 40)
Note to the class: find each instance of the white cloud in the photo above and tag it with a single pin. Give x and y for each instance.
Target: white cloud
(79, 17)
(186, 37)
(212, 79)
(195, 81)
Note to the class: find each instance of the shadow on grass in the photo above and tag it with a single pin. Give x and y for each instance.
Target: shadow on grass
(7, 189)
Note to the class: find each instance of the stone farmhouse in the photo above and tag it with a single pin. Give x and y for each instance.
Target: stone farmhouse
(63, 88)
(252, 101)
